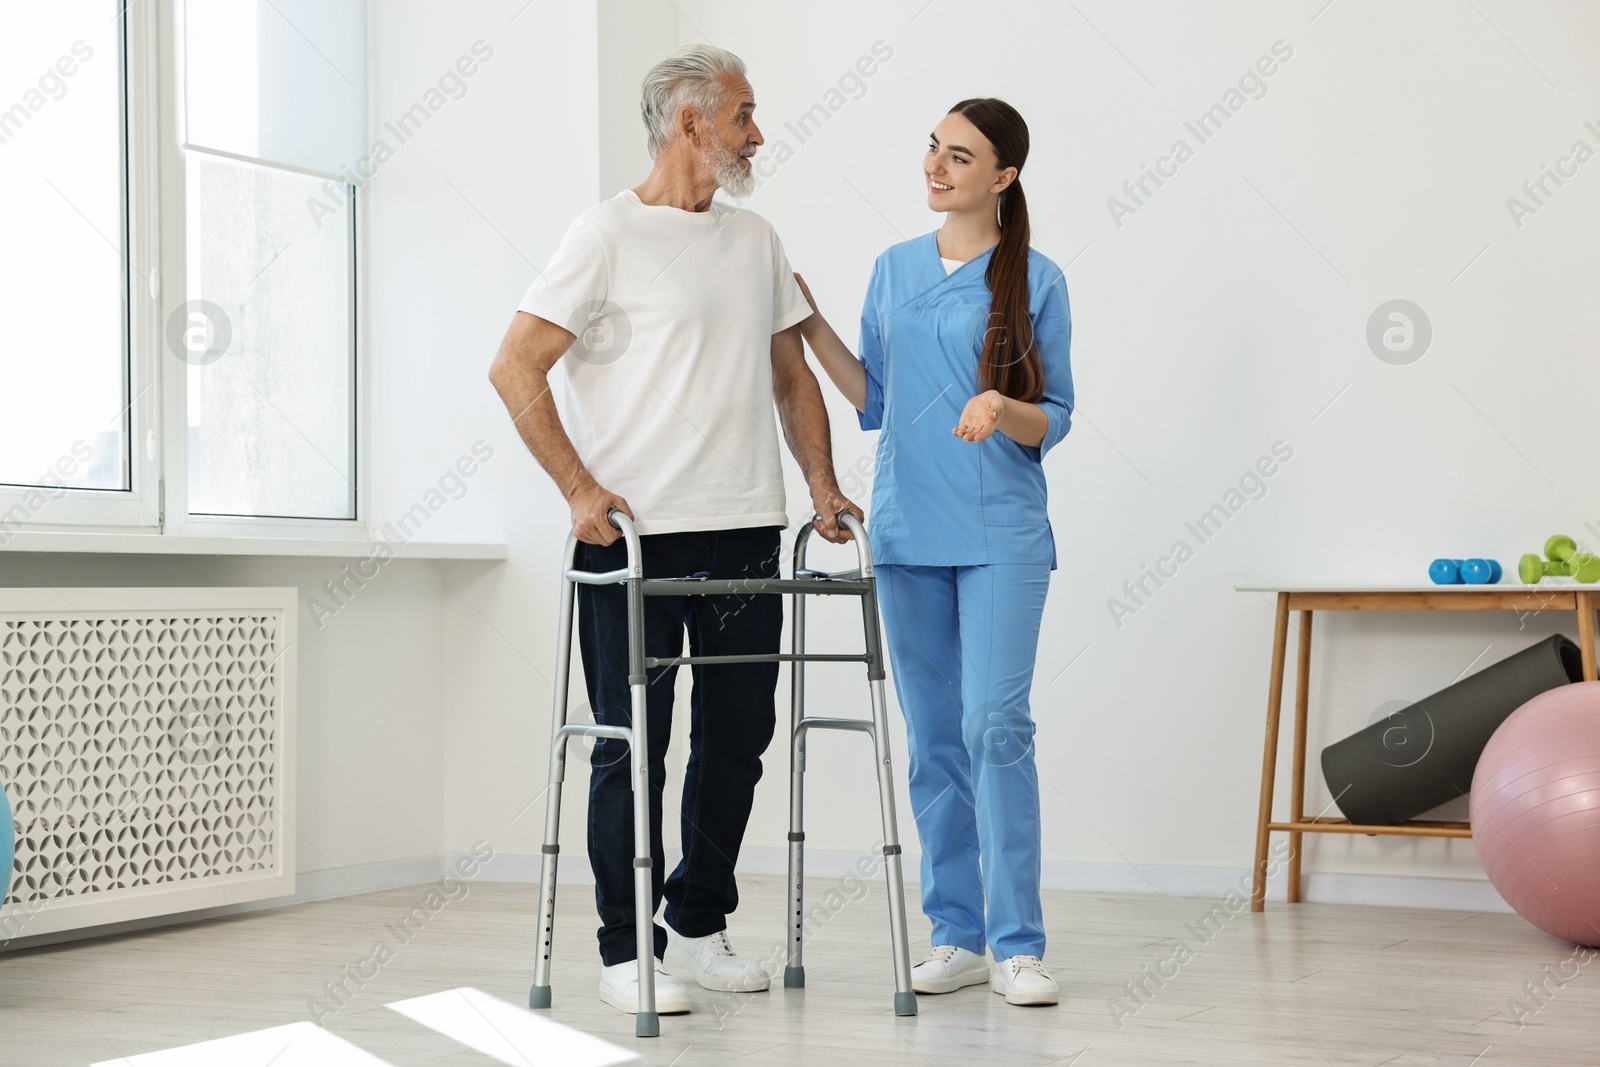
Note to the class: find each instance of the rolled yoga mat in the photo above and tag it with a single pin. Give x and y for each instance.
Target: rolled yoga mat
(1424, 754)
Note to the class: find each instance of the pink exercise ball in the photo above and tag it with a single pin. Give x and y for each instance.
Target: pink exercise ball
(1536, 811)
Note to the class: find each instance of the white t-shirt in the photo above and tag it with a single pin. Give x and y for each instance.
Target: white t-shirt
(950, 264)
(667, 389)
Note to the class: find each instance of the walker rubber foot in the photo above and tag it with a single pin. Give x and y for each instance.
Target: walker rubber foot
(794, 978)
(905, 1003)
(539, 996)
(647, 1024)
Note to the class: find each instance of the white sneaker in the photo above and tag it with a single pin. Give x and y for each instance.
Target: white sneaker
(619, 987)
(947, 969)
(1023, 980)
(712, 963)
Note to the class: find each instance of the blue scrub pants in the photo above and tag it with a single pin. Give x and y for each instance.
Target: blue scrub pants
(962, 643)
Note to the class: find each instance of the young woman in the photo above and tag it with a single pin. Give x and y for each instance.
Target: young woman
(964, 367)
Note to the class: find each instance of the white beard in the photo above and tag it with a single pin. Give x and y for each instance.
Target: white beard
(731, 177)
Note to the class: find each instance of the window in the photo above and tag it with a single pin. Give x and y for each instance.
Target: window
(181, 358)
(65, 418)
(269, 343)
(273, 113)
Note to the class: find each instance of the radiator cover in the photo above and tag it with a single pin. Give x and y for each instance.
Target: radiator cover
(147, 748)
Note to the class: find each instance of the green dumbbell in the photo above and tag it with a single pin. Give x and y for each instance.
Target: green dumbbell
(1531, 569)
(1584, 566)
(1565, 561)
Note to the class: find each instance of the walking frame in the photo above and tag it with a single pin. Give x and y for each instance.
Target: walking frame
(806, 582)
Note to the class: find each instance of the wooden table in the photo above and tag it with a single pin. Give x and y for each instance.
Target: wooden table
(1559, 595)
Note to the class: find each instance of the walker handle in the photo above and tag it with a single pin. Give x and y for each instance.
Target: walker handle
(848, 520)
(619, 520)
(635, 569)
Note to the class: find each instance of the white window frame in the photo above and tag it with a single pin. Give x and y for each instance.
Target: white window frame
(138, 508)
(156, 199)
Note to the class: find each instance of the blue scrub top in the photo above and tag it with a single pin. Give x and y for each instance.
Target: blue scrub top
(938, 500)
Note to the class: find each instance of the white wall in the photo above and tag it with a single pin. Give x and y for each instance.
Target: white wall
(630, 38)
(462, 217)
(1226, 314)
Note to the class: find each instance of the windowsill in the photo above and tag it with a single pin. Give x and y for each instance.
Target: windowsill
(178, 545)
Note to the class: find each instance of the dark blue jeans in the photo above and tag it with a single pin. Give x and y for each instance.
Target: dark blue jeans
(731, 721)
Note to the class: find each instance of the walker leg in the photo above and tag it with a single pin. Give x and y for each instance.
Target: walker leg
(539, 994)
(646, 1023)
(794, 972)
(905, 999)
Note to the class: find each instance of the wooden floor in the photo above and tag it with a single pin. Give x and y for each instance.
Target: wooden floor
(1312, 984)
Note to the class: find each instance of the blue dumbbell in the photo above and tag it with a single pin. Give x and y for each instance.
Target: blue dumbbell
(1473, 571)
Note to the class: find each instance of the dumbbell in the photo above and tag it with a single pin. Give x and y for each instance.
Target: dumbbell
(1584, 566)
(1470, 571)
(1565, 561)
(1531, 569)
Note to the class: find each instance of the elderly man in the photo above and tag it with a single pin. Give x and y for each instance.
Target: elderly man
(679, 319)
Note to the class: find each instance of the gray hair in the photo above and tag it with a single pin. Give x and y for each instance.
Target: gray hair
(689, 77)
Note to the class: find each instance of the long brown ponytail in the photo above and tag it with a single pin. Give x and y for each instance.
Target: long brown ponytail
(1009, 362)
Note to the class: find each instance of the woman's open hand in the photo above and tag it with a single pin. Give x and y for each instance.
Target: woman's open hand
(981, 415)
